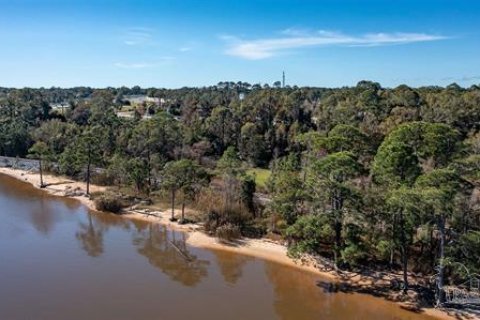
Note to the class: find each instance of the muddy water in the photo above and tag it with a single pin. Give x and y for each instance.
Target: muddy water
(58, 261)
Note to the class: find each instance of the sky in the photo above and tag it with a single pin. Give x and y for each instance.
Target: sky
(175, 43)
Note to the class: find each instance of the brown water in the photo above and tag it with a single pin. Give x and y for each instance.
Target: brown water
(58, 261)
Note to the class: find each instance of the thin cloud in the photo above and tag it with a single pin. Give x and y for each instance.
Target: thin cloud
(461, 79)
(294, 39)
(138, 65)
(470, 78)
(138, 36)
(143, 65)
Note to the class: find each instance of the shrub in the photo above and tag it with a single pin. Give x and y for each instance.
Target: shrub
(353, 254)
(228, 232)
(255, 229)
(306, 235)
(212, 222)
(234, 216)
(109, 203)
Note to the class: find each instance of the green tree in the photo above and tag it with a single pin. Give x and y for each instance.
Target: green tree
(56, 134)
(406, 206)
(396, 161)
(286, 189)
(153, 142)
(195, 178)
(173, 180)
(403, 153)
(252, 145)
(346, 138)
(89, 151)
(14, 138)
(184, 175)
(222, 128)
(231, 169)
(329, 185)
(440, 143)
(247, 191)
(395, 164)
(41, 152)
(138, 174)
(307, 234)
(439, 189)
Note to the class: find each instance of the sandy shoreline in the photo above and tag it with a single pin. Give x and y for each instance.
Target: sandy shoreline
(56, 185)
(259, 248)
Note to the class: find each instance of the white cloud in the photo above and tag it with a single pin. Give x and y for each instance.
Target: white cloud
(295, 38)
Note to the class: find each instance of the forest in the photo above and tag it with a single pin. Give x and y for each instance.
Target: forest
(365, 176)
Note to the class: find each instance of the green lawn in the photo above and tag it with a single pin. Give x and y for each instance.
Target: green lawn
(261, 176)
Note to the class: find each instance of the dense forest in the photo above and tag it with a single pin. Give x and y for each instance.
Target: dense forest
(364, 175)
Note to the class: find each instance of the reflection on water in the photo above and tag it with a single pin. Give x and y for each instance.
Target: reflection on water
(231, 265)
(58, 261)
(90, 236)
(167, 250)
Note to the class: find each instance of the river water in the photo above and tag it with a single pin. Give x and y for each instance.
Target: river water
(58, 261)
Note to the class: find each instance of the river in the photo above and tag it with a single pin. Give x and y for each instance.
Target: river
(59, 261)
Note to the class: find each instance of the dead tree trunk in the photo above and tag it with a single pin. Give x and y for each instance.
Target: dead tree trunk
(441, 265)
(183, 212)
(89, 163)
(42, 185)
(173, 204)
(404, 253)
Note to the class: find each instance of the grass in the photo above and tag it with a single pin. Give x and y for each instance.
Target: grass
(261, 176)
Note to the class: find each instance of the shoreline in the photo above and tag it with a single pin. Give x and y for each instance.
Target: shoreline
(259, 248)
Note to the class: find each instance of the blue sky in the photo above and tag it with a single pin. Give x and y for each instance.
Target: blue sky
(201, 42)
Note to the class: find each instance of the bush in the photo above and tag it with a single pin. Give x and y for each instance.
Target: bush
(353, 254)
(212, 222)
(233, 216)
(307, 234)
(254, 229)
(228, 232)
(109, 203)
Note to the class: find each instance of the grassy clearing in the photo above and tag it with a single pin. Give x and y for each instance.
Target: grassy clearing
(261, 176)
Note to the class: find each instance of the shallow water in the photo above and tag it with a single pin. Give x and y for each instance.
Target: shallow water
(58, 261)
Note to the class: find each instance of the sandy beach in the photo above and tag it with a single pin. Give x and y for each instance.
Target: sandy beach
(56, 185)
(260, 248)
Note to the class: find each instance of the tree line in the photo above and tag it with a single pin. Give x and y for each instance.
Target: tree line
(364, 175)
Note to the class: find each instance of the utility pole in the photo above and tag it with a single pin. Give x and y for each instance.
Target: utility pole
(283, 79)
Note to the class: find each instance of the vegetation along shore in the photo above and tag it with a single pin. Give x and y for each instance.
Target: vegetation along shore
(263, 248)
(362, 180)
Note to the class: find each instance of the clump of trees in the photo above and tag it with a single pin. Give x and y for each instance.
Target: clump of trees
(364, 175)
(108, 203)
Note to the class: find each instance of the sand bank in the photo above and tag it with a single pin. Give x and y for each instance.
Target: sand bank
(56, 185)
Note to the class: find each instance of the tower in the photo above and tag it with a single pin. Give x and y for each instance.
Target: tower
(283, 79)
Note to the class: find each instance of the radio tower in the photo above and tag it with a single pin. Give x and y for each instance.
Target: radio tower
(283, 79)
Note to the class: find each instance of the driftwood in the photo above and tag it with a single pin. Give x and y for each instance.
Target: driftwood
(182, 253)
(147, 213)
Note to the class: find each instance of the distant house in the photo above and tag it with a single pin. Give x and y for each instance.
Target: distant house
(139, 99)
(57, 106)
(60, 107)
(135, 98)
(157, 101)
